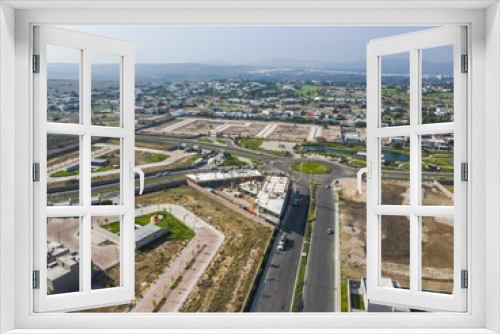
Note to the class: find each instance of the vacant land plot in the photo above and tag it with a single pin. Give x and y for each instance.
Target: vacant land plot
(437, 239)
(197, 127)
(278, 146)
(290, 132)
(244, 129)
(331, 133)
(229, 276)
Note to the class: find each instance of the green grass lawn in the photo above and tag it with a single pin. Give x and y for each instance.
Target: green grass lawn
(177, 229)
(159, 158)
(220, 141)
(312, 168)
(309, 89)
(206, 140)
(252, 143)
(65, 173)
(233, 161)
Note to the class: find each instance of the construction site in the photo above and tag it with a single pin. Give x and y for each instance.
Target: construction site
(263, 196)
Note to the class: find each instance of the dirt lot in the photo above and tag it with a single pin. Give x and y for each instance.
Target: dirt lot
(196, 127)
(228, 278)
(244, 131)
(332, 133)
(290, 132)
(437, 238)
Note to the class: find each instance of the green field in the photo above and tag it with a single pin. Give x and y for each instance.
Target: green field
(311, 168)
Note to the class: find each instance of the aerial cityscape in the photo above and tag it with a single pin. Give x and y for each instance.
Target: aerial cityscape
(250, 200)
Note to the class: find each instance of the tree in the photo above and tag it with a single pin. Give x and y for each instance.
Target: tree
(396, 146)
(320, 140)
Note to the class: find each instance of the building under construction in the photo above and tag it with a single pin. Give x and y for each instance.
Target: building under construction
(227, 179)
(272, 198)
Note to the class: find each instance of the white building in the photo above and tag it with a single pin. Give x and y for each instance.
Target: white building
(272, 198)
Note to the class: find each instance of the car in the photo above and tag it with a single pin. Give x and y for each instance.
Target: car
(159, 174)
(166, 174)
(327, 186)
(282, 243)
(329, 231)
(295, 203)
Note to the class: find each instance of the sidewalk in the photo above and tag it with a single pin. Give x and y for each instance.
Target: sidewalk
(205, 235)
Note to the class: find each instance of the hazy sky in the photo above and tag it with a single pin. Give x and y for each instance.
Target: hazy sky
(245, 45)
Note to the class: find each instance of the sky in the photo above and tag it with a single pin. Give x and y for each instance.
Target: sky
(238, 45)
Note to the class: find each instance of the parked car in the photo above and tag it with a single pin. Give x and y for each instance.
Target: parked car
(166, 173)
(327, 186)
(329, 231)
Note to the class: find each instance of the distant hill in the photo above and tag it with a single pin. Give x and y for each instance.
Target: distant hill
(280, 70)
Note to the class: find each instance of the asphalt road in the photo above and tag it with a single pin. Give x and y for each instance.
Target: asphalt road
(278, 282)
(276, 288)
(319, 290)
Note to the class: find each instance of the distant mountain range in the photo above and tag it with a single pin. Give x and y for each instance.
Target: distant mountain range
(278, 69)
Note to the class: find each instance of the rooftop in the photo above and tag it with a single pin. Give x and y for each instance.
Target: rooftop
(221, 176)
(273, 193)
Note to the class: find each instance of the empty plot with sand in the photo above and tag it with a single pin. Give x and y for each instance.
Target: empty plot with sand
(290, 132)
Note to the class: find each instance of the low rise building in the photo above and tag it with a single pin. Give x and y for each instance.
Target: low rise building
(62, 269)
(272, 198)
(148, 233)
(223, 178)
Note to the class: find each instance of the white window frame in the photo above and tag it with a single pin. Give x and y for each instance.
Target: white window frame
(86, 44)
(412, 44)
(482, 317)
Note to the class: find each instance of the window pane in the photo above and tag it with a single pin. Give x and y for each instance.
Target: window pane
(395, 83)
(395, 168)
(105, 89)
(63, 84)
(437, 169)
(63, 259)
(437, 254)
(395, 263)
(105, 240)
(63, 170)
(437, 84)
(105, 165)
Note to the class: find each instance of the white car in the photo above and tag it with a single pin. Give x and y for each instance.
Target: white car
(282, 243)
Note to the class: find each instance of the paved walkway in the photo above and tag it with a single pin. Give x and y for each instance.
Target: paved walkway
(206, 235)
